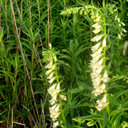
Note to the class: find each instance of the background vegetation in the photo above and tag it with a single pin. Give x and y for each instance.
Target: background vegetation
(25, 32)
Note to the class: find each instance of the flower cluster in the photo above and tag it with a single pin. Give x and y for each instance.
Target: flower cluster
(120, 26)
(54, 89)
(99, 74)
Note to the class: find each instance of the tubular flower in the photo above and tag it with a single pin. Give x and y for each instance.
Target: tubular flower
(95, 47)
(104, 42)
(96, 31)
(105, 77)
(97, 19)
(102, 103)
(55, 124)
(54, 112)
(96, 38)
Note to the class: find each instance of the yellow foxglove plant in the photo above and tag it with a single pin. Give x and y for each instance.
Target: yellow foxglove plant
(53, 80)
(102, 26)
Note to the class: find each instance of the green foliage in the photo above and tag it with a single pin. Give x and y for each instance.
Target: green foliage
(70, 30)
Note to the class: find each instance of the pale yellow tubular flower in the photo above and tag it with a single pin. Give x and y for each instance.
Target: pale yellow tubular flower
(97, 26)
(96, 93)
(124, 30)
(53, 100)
(54, 115)
(58, 86)
(96, 31)
(105, 77)
(118, 19)
(49, 65)
(94, 65)
(55, 124)
(95, 54)
(96, 58)
(99, 37)
(54, 112)
(50, 76)
(96, 82)
(96, 47)
(121, 33)
(94, 75)
(52, 88)
(119, 36)
(99, 90)
(102, 88)
(99, 51)
(103, 102)
(97, 19)
(104, 42)
(53, 107)
(99, 107)
(99, 70)
(96, 38)
(55, 92)
(50, 70)
(123, 23)
(94, 25)
(98, 78)
(99, 63)
(51, 80)
(63, 97)
(57, 108)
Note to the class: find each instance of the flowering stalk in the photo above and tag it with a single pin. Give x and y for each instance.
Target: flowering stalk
(54, 89)
(99, 73)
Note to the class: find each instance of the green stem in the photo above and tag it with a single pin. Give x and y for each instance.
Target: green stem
(105, 37)
(107, 108)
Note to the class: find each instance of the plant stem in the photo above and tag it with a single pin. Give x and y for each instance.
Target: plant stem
(48, 23)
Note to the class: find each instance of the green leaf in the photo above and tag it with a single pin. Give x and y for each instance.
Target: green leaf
(84, 85)
(90, 117)
(76, 90)
(120, 93)
(115, 115)
(113, 100)
(106, 116)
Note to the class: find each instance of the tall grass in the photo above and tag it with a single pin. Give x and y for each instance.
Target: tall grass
(24, 35)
